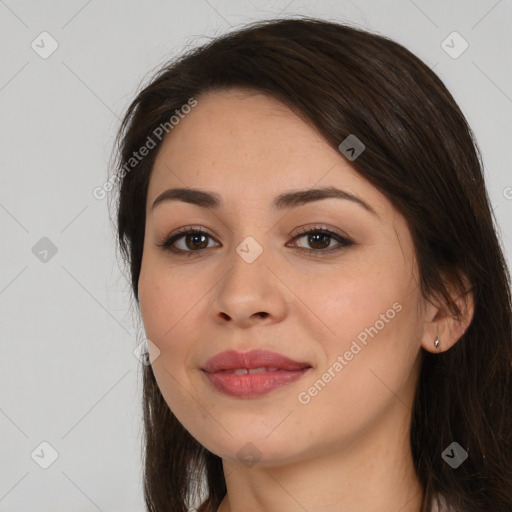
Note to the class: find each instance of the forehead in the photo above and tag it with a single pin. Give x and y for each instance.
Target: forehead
(226, 125)
(248, 146)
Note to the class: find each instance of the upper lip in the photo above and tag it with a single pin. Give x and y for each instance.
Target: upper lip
(232, 360)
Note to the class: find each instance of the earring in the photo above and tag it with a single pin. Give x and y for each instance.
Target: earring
(436, 343)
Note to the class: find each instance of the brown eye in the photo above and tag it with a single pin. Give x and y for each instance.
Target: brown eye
(196, 241)
(189, 240)
(320, 241)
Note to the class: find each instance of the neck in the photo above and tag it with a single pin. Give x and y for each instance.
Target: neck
(372, 470)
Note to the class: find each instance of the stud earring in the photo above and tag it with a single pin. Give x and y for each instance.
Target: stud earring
(436, 343)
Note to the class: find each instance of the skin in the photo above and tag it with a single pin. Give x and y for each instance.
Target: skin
(348, 448)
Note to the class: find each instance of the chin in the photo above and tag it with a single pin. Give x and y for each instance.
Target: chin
(249, 451)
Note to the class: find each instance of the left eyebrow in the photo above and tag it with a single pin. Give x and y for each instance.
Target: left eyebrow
(286, 200)
(297, 198)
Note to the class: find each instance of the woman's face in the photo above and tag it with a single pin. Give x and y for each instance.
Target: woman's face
(351, 311)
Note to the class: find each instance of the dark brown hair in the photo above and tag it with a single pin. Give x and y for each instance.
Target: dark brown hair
(421, 153)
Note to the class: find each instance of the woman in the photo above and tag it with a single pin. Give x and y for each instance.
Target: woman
(325, 298)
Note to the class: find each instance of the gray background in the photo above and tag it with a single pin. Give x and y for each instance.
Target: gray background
(68, 374)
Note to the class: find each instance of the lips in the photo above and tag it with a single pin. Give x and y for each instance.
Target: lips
(252, 374)
(256, 360)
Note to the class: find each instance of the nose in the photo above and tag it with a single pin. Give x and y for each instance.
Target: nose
(250, 293)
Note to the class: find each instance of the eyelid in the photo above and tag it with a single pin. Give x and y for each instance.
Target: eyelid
(306, 228)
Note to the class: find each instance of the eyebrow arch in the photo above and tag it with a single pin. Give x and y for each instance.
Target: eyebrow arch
(283, 201)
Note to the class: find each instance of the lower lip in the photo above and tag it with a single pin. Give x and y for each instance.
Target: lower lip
(249, 385)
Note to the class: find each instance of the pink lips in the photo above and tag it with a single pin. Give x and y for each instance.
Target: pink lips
(273, 371)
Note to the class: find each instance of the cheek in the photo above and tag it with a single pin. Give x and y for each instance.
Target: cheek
(150, 303)
(352, 301)
(163, 313)
(159, 305)
(372, 315)
(171, 310)
(163, 299)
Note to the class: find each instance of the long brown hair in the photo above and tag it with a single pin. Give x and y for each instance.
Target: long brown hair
(421, 153)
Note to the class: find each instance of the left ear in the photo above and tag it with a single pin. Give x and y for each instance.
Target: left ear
(442, 323)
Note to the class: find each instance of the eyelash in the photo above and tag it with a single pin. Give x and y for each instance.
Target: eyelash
(344, 242)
